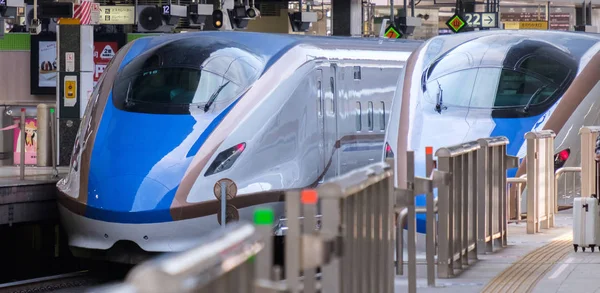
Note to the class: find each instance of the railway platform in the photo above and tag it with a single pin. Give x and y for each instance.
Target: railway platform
(30, 199)
(543, 262)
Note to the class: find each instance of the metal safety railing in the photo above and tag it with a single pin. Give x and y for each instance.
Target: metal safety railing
(46, 147)
(475, 202)
(515, 185)
(470, 207)
(544, 202)
(567, 193)
(45, 136)
(541, 196)
(405, 206)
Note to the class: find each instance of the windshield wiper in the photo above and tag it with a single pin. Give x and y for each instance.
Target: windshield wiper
(128, 101)
(528, 105)
(439, 105)
(214, 96)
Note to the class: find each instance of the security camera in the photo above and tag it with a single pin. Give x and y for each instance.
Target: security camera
(252, 12)
(35, 27)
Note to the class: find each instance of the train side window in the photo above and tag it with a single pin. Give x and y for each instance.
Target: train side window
(370, 116)
(554, 71)
(331, 102)
(485, 88)
(448, 64)
(358, 115)
(319, 99)
(382, 122)
(357, 73)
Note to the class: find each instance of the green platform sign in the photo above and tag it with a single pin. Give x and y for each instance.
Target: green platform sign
(392, 33)
(456, 23)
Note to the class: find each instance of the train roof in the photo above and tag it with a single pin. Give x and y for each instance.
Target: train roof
(270, 46)
(574, 43)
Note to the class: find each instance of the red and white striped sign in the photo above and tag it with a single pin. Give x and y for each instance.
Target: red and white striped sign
(83, 12)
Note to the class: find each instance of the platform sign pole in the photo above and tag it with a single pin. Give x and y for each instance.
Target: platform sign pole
(223, 203)
(53, 146)
(22, 146)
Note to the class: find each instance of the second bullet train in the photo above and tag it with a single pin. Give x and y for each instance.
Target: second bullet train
(173, 115)
(462, 87)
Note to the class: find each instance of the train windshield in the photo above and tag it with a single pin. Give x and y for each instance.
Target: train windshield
(184, 76)
(520, 80)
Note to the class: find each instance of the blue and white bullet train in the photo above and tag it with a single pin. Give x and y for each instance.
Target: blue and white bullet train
(462, 87)
(174, 114)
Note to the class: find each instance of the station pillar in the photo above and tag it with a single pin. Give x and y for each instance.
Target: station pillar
(75, 81)
(346, 17)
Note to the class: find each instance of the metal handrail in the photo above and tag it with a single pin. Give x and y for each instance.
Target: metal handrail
(519, 181)
(402, 216)
(221, 252)
(557, 175)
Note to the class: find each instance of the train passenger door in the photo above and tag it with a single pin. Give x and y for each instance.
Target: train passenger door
(321, 122)
(330, 124)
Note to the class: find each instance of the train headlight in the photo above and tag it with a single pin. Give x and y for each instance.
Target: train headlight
(561, 158)
(225, 159)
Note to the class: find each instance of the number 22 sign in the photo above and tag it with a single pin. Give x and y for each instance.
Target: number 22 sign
(481, 19)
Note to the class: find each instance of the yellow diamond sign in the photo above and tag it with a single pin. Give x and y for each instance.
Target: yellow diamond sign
(456, 23)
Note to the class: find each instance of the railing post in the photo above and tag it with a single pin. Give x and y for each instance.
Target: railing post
(43, 139)
(473, 197)
(412, 225)
(263, 221)
(483, 198)
(430, 235)
(464, 209)
(445, 234)
(428, 161)
(333, 272)
(292, 241)
(457, 213)
(549, 180)
(387, 227)
(588, 135)
(540, 180)
(22, 146)
(498, 211)
(532, 200)
(53, 145)
(309, 204)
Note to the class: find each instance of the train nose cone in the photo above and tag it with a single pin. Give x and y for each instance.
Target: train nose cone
(129, 199)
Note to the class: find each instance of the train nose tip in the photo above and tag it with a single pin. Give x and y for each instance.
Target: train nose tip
(127, 194)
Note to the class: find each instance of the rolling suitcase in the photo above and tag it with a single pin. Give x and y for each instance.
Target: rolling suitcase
(586, 220)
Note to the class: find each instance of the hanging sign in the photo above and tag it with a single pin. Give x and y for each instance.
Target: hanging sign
(456, 23)
(392, 33)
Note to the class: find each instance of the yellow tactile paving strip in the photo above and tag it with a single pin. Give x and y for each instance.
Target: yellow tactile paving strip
(523, 275)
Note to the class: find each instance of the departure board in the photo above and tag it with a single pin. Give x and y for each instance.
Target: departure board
(560, 18)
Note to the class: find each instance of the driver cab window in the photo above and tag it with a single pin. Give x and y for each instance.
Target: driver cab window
(456, 88)
(519, 89)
